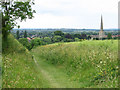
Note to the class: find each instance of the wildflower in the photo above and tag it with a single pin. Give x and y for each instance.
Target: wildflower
(100, 61)
(8, 86)
(117, 67)
(98, 65)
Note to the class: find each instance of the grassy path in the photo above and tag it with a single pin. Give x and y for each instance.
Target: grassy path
(53, 77)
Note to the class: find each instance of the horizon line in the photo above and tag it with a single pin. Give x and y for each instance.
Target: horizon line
(62, 28)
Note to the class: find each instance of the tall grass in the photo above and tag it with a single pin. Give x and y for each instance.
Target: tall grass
(94, 63)
(18, 69)
(0, 71)
(0, 61)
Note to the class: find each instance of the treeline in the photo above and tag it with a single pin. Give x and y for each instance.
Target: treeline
(32, 40)
(57, 36)
(40, 34)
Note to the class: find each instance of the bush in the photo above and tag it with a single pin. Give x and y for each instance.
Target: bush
(47, 40)
(25, 42)
(57, 39)
(35, 42)
(77, 39)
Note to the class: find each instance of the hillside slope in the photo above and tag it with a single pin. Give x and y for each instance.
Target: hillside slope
(61, 65)
(90, 63)
(19, 69)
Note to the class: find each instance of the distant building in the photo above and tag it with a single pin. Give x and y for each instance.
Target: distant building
(28, 39)
(101, 33)
(115, 36)
(94, 36)
(33, 36)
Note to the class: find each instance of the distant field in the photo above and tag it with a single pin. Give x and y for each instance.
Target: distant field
(92, 63)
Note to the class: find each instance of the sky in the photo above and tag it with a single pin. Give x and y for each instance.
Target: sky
(79, 14)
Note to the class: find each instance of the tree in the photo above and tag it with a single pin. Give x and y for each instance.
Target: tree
(89, 37)
(69, 36)
(57, 38)
(17, 34)
(35, 42)
(25, 34)
(76, 35)
(60, 33)
(83, 36)
(25, 43)
(47, 40)
(69, 40)
(77, 39)
(12, 11)
(109, 36)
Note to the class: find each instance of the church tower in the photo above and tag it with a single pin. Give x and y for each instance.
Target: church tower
(101, 33)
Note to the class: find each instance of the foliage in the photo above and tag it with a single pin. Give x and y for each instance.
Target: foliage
(18, 67)
(57, 38)
(60, 33)
(69, 36)
(25, 34)
(25, 42)
(93, 63)
(0, 72)
(12, 11)
(30, 44)
(17, 35)
(109, 36)
(47, 40)
(77, 39)
(35, 42)
(53, 37)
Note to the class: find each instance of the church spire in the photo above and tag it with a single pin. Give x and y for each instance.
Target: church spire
(101, 23)
(101, 33)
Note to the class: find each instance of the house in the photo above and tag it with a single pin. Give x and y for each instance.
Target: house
(29, 39)
(114, 36)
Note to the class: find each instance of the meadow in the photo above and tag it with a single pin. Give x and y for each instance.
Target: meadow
(90, 63)
(82, 64)
(0, 72)
(0, 62)
(62, 57)
(19, 69)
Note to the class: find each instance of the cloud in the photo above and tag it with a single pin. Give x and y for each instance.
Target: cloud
(47, 21)
(79, 5)
(73, 14)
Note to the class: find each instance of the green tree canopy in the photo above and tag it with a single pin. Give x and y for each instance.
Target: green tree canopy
(57, 38)
(25, 34)
(12, 11)
(60, 33)
(47, 40)
(109, 36)
(25, 43)
(35, 42)
(77, 39)
(17, 34)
